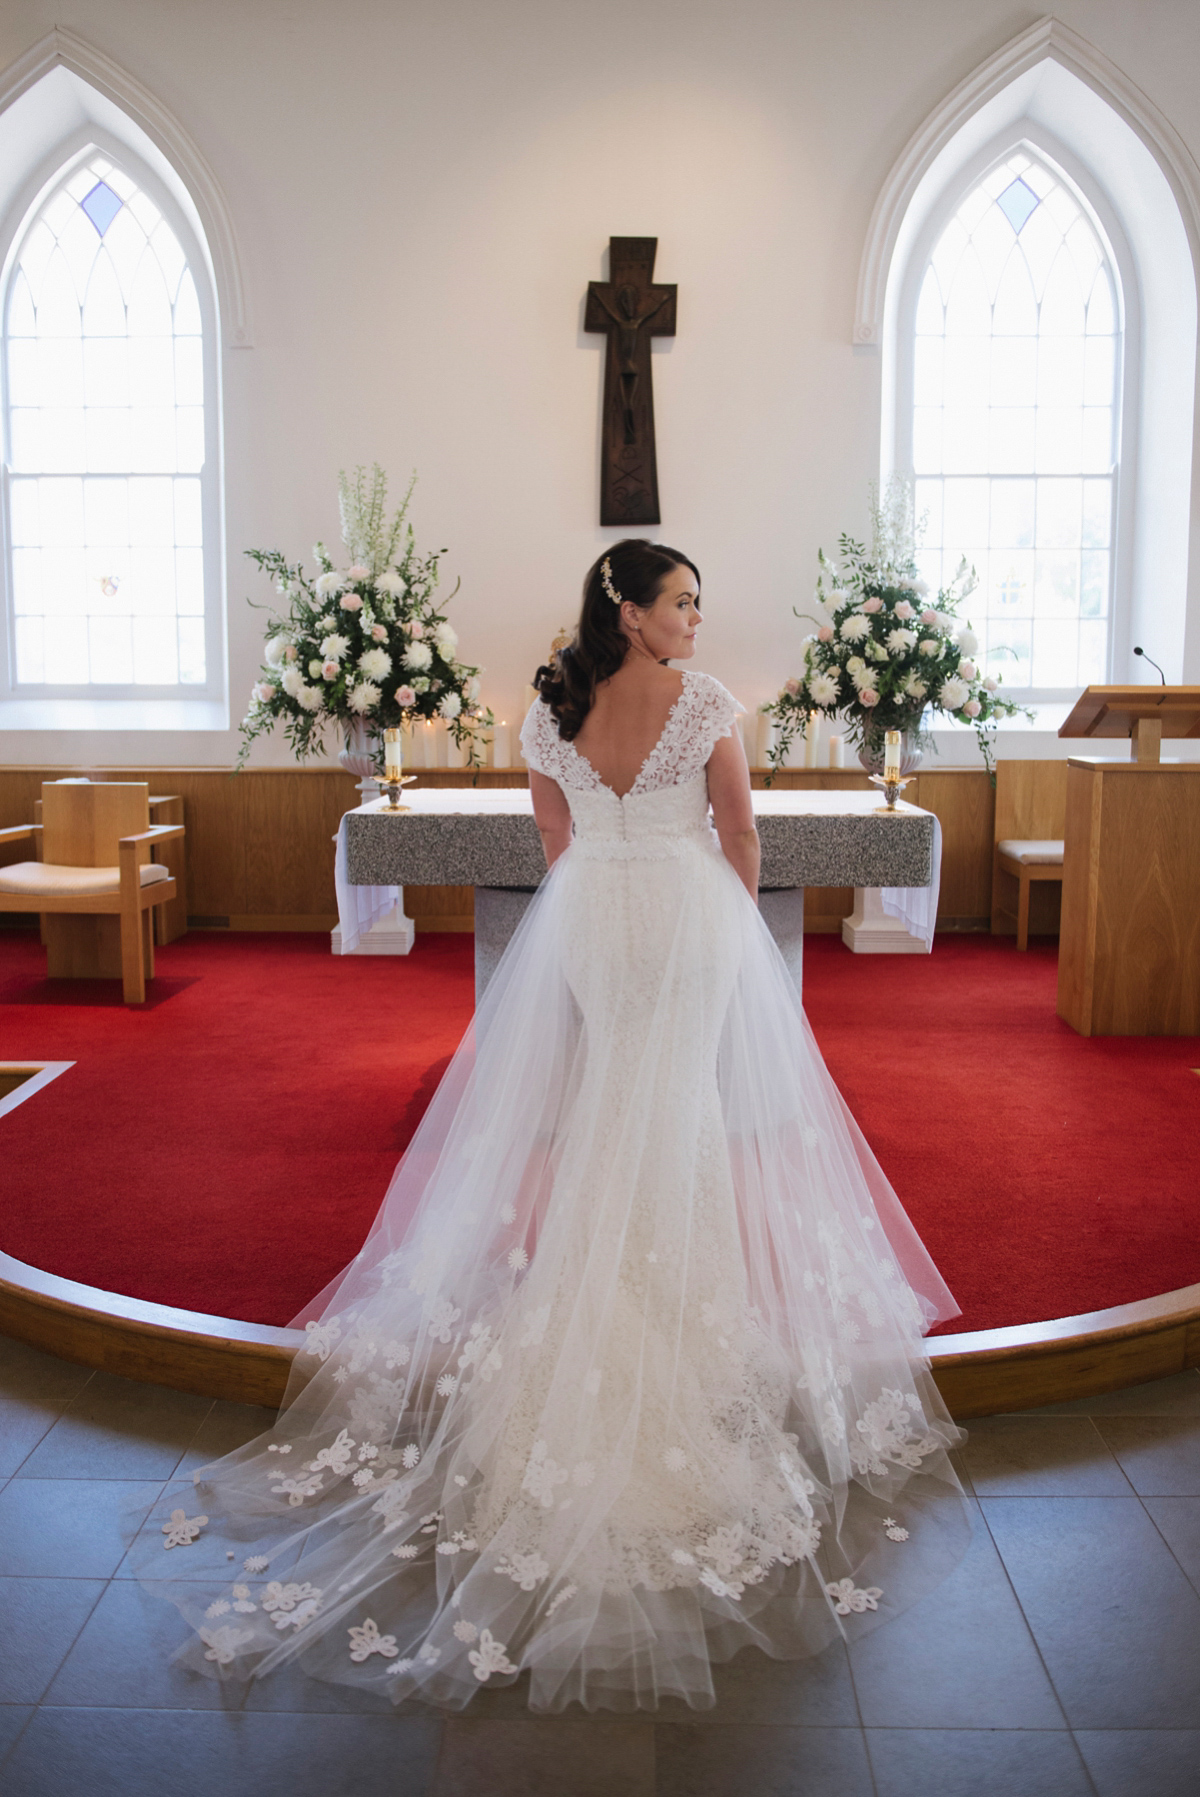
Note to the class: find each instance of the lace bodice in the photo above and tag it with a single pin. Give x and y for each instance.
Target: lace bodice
(703, 713)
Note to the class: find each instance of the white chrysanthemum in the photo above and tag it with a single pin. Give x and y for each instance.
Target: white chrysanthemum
(274, 650)
(390, 583)
(309, 698)
(292, 682)
(867, 678)
(450, 706)
(954, 694)
(376, 664)
(418, 657)
(823, 689)
(968, 642)
(335, 646)
(837, 596)
(365, 696)
(855, 627)
(446, 638)
(901, 641)
(327, 585)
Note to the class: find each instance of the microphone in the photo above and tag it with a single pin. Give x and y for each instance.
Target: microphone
(1153, 663)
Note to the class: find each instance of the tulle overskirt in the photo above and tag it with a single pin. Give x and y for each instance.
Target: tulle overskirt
(627, 1374)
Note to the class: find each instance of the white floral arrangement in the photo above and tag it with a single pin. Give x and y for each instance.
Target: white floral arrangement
(883, 654)
(364, 645)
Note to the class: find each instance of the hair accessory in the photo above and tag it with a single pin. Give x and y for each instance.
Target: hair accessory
(607, 581)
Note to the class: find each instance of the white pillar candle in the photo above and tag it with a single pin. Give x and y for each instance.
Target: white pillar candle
(501, 745)
(837, 752)
(428, 734)
(812, 731)
(392, 754)
(454, 751)
(891, 755)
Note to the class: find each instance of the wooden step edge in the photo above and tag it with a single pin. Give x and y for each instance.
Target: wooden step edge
(980, 1373)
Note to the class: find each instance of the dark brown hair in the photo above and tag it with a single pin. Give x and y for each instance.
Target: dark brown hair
(599, 646)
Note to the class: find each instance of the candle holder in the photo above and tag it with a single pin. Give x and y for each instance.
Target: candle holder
(392, 785)
(892, 786)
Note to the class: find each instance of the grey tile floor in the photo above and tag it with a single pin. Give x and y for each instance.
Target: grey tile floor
(1062, 1658)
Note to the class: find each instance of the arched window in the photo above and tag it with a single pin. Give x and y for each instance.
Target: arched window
(109, 440)
(1016, 377)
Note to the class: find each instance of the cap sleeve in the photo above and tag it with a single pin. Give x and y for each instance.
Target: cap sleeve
(535, 746)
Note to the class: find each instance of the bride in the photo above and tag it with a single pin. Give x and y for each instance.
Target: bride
(627, 1374)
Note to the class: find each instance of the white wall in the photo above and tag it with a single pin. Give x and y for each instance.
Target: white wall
(421, 190)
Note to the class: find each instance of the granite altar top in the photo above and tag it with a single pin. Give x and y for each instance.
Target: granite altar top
(469, 836)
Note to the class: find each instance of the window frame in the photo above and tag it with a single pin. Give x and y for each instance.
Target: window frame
(1041, 146)
(53, 172)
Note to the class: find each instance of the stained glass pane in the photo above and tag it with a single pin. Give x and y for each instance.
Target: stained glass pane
(105, 360)
(1015, 390)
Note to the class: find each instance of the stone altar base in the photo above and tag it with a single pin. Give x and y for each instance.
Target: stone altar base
(870, 931)
(392, 934)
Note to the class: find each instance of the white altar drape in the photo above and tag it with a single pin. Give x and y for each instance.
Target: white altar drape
(359, 907)
(916, 906)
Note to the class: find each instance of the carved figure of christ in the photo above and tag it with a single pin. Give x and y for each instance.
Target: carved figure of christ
(630, 309)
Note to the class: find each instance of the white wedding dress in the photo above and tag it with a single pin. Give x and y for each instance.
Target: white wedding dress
(627, 1374)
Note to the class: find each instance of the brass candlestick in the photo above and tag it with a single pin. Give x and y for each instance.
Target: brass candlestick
(892, 786)
(393, 786)
(393, 780)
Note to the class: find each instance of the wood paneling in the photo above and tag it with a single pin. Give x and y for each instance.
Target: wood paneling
(1129, 963)
(260, 853)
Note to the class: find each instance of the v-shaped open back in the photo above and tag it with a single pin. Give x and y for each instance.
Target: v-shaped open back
(703, 713)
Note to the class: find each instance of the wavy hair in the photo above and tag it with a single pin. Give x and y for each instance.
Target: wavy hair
(599, 646)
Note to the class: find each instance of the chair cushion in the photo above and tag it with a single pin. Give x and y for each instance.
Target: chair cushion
(42, 879)
(1032, 854)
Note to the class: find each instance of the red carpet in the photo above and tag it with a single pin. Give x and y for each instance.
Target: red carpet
(226, 1148)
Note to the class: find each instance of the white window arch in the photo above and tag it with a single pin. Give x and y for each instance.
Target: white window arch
(110, 441)
(1013, 373)
(1050, 110)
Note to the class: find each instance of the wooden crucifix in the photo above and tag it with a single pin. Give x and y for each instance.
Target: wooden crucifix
(631, 309)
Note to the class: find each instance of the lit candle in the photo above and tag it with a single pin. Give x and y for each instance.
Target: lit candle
(837, 756)
(811, 729)
(429, 755)
(393, 754)
(501, 745)
(891, 755)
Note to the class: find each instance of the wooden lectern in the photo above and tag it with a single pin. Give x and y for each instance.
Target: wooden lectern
(1129, 948)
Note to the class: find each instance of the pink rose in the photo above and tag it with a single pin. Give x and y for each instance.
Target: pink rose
(904, 611)
(351, 602)
(867, 696)
(792, 687)
(967, 669)
(825, 634)
(291, 652)
(379, 632)
(416, 630)
(972, 708)
(358, 572)
(264, 692)
(329, 669)
(873, 604)
(929, 619)
(405, 696)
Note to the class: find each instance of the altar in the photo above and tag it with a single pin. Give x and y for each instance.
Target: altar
(487, 838)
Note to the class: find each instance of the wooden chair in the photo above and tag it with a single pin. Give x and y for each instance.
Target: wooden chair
(1031, 812)
(95, 885)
